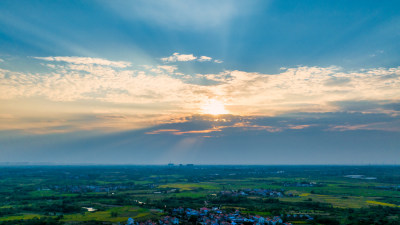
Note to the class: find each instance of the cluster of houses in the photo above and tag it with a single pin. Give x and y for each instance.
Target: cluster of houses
(302, 184)
(87, 188)
(211, 216)
(132, 222)
(260, 192)
(216, 216)
(362, 177)
(392, 187)
(299, 216)
(166, 191)
(387, 188)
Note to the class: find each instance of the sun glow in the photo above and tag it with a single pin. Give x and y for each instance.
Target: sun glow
(214, 107)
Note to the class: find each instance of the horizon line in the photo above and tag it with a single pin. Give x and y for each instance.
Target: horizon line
(180, 164)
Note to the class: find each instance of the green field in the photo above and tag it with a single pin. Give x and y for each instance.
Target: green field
(123, 213)
(62, 194)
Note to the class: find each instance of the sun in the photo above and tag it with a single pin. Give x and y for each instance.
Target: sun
(214, 107)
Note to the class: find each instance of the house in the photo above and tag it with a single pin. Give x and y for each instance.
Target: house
(130, 221)
(175, 220)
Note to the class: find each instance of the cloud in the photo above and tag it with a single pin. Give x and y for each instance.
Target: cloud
(155, 90)
(169, 69)
(86, 61)
(214, 129)
(235, 123)
(204, 59)
(162, 69)
(248, 126)
(393, 126)
(197, 148)
(334, 81)
(299, 127)
(301, 89)
(93, 82)
(162, 131)
(197, 126)
(179, 57)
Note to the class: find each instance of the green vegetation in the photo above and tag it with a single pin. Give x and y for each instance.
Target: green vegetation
(112, 194)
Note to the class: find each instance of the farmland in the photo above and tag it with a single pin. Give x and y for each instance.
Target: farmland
(112, 194)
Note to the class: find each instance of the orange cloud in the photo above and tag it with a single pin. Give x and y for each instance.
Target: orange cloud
(163, 131)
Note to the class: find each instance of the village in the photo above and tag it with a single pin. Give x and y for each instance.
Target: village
(215, 216)
(256, 192)
(86, 188)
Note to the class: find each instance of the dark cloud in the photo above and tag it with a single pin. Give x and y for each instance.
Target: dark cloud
(393, 106)
(367, 106)
(307, 138)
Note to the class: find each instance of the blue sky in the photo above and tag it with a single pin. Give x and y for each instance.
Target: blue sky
(230, 82)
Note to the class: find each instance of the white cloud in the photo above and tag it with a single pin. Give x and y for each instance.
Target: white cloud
(204, 59)
(179, 57)
(304, 89)
(169, 69)
(301, 89)
(86, 61)
(295, 89)
(73, 82)
(188, 57)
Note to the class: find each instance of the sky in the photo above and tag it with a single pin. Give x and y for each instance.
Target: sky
(203, 82)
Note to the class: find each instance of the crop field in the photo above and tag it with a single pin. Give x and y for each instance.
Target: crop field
(122, 215)
(111, 195)
(20, 217)
(192, 186)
